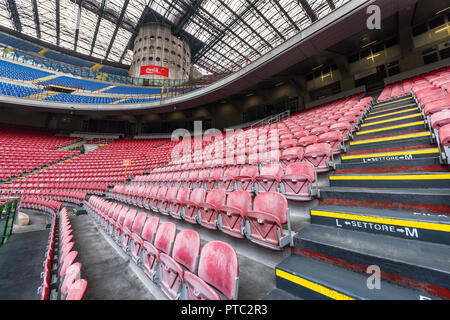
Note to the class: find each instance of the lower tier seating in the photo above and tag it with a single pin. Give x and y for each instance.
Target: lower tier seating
(173, 261)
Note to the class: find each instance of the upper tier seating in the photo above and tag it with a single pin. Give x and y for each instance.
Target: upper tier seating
(17, 71)
(14, 90)
(128, 90)
(75, 83)
(66, 97)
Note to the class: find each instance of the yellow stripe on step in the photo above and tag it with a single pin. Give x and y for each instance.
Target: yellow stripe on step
(312, 286)
(395, 222)
(409, 116)
(390, 102)
(443, 176)
(406, 136)
(393, 108)
(391, 154)
(392, 113)
(405, 125)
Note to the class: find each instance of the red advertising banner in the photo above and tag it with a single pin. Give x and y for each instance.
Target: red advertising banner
(154, 70)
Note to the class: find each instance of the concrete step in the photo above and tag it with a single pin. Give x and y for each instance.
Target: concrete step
(426, 201)
(391, 128)
(404, 158)
(419, 265)
(279, 294)
(392, 112)
(393, 103)
(397, 180)
(391, 120)
(396, 223)
(397, 140)
(312, 279)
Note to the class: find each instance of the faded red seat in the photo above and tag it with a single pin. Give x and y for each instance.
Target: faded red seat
(138, 224)
(164, 239)
(219, 269)
(212, 180)
(162, 191)
(444, 135)
(291, 155)
(77, 290)
(334, 139)
(208, 210)
(269, 178)
(297, 182)
(165, 203)
(319, 155)
(439, 119)
(246, 178)
(436, 106)
(176, 204)
(264, 224)
(231, 219)
(308, 140)
(72, 274)
(185, 253)
(148, 234)
(190, 207)
(227, 181)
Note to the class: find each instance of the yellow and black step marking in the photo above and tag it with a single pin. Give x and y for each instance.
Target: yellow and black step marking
(311, 279)
(395, 139)
(395, 128)
(391, 156)
(376, 117)
(393, 102)
(388, 110)
(401, 180)
(401, 119)
(402, 224)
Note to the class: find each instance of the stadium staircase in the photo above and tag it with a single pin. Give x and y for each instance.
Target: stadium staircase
(386, 208)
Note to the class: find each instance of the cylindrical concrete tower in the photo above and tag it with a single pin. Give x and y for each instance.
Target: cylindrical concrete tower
(160, 55)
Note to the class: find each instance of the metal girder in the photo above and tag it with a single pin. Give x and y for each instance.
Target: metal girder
(141, 20)
(77, 27)
(265, 19)
(280, 7)
(119, 22)
(57, 5)
(187, 15)
(100, 14)
(309, 11)
(36, 18)
(14, 14)
(245, 22)
(223, 31)
(331, 4)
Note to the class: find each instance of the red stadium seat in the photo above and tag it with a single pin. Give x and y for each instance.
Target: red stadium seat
(219, 269)
(208, 210)
(231, 218)
(269, 178)
(297, 182)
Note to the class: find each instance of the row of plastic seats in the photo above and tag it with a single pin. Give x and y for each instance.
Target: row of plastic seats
(14, 90)
(260, 219)
(40, 204)
(61, 275)
(173, 261)
(67, 97)
(17, 71)
(73, 197)
(297, 181)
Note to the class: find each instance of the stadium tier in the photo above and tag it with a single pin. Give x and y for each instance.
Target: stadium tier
(312, 162)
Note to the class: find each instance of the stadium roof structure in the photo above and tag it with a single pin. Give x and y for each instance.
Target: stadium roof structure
(225, 35)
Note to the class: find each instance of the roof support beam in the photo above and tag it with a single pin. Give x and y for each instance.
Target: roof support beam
(36, 18)
(57, 22)
(119, 22)
(77, 27)
(14, 14)
(265, 19)
(97, 26)
(309, 11)
(331, 4)
(288, 17)
(187, 15)
(141, 20)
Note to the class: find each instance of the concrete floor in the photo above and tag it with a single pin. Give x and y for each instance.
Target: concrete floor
(108, 274)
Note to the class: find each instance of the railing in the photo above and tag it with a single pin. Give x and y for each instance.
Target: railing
(8, 207)
(272, 119)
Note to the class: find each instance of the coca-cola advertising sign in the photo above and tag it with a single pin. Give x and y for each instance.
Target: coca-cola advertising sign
(154, 70)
